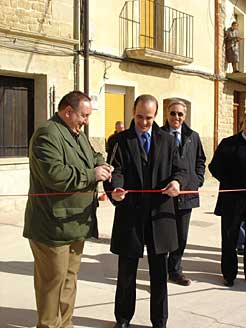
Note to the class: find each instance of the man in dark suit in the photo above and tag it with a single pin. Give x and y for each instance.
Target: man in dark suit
(119, 127)
(146, 158)
(228, 166)
(192, 154)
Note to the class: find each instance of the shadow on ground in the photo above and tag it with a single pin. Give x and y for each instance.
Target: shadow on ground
(26, 318)
(201, 262)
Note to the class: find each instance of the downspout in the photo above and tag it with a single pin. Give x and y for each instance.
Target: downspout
(86, 53)
(76, 35)
(216, 73)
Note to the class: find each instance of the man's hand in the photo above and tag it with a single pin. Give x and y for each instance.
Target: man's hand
(103, 172)
(172, 189)
(119, 194)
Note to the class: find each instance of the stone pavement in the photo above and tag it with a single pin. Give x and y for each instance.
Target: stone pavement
(206, 303)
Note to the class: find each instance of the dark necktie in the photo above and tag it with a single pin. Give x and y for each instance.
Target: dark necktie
(146, 142)
(177, 140)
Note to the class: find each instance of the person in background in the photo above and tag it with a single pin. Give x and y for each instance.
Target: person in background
(61, 207)
(231, 40)
(146, 158)
(228, 166)
(119, 126)
(192, 154)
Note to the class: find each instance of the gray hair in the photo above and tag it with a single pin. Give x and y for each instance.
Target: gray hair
(176, 101)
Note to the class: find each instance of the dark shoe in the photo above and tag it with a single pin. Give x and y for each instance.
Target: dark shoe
(180, 280)
(121, 325)
(240, 251)
(228, 283)
(237, 71)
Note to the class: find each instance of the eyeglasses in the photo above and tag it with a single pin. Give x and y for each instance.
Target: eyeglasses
(180, 114)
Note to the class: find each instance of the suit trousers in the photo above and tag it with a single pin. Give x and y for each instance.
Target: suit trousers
(230, 226)
(125, 298)
(175, 257)
(55, 281)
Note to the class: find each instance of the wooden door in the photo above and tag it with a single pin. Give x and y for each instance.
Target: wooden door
(16, 116)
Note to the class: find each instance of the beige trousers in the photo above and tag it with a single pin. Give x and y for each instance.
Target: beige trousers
(55, 281)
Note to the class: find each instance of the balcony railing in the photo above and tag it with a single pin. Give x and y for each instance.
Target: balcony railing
(146, 24)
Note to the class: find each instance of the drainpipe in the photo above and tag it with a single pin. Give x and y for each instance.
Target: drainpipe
(86, 53)
(216, 73)
(76, 35)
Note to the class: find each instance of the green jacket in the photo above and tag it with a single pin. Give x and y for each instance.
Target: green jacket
(60, 164)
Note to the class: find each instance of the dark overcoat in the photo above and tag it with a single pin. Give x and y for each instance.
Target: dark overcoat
(128, 228)
(228, 166)
(193, 155)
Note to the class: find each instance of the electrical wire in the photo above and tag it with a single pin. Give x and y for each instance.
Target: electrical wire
(183, 71)
(25, 45)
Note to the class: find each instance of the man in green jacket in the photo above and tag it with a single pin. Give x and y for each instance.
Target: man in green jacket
(61, 207)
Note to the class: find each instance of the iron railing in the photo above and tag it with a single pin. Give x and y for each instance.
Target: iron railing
(148, 24)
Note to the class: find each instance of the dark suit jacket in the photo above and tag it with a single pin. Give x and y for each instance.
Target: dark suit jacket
(193, 155)
(111, 141)
(128, 228)
(228, 166)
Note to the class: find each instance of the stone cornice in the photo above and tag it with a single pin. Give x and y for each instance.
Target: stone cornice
(42, 38)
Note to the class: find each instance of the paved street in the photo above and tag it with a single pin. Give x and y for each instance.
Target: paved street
(206, 303)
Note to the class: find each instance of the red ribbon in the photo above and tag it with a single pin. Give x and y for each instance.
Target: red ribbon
(182, 192)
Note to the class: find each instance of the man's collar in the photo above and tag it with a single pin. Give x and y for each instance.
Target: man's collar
(175, 130)
(75, 135)
(140, 133)
(244, 135)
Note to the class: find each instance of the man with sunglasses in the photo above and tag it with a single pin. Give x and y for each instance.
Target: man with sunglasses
(61, 207)
(192, 153)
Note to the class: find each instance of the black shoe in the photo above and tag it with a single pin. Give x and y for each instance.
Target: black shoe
(228, 283)
(180, 280)
(240, 251)
(121, 325)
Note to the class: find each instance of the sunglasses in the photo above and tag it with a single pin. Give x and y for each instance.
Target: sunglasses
(180, 114)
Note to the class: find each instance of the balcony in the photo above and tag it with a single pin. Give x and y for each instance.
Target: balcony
(152, 32)
(237, 77)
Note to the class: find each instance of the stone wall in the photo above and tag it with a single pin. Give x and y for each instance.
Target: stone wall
(53, 18)
(227, 87)
(222, 63)
(36, 42)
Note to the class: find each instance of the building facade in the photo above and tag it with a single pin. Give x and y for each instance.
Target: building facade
(37, 58)
(167, 48)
